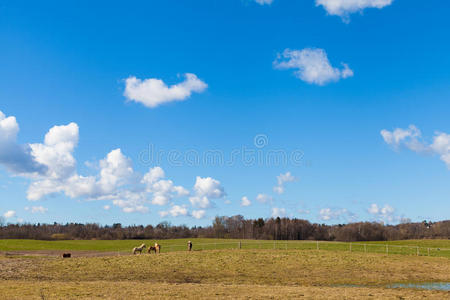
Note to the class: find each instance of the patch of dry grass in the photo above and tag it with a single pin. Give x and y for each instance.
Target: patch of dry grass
(141, 290)
(222, 273)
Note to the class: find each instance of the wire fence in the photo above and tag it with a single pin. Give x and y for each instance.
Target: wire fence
(313, 245)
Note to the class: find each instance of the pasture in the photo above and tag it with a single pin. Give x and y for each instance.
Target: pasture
(220, 270)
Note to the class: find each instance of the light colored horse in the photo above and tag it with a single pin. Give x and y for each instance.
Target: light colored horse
(157, 248)
(139, 249)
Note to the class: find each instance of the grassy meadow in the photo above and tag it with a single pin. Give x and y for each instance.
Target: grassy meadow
(439, 248)
(249, 273)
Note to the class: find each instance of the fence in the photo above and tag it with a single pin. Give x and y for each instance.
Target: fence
(314, 245)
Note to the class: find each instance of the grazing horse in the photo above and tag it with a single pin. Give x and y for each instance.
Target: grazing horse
(139, 249)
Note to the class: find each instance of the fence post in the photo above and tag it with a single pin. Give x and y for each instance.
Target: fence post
(387, 249)
(365, 250)
(317, 245)
(417, 250)
(240, 245)
(428, 251)
(350, 247)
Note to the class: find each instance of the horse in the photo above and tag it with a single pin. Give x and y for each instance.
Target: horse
(139, 249)
(189, 246)
(151, 248)
(157, 248)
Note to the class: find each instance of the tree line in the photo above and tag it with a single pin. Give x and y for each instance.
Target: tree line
(236, 227)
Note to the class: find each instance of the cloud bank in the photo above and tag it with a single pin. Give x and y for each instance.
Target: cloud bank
(52, 169)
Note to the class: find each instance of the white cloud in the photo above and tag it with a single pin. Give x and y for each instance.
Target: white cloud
(245, 201)
(198, 214)
(36, 209)
(441, 146)
(154, 92)
(202, 202)
(116, 180)
(263, 2)
(177, 210)
(312, 66)
(328, 214)
(411, 139)
(344, 8)
(205, 189)
(384, 214)
(9, 214)
(209, 187)
(263, 198)
(278, 212)
(281, 180)
(139, 208)
(408, 137)
(16, 158)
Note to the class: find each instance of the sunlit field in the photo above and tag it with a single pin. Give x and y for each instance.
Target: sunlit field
(216, 269)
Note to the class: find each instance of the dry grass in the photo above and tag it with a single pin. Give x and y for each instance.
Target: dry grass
(140, 290)
(230, 273)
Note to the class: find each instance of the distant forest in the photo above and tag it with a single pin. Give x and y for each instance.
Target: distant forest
(235, 227)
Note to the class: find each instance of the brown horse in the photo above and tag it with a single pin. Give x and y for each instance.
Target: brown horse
(156, 248)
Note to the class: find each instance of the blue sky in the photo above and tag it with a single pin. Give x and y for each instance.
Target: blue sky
(341, 85)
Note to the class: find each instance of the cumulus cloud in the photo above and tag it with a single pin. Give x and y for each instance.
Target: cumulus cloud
(384, 214)
(163, 190)
(175, 211)
(312, 66)
(281, 180)
(411, 138)
(116, 180)
(278, 212)
(205, 189)
(264, 198)
(245, 201)
(209, 187)
(198, 214)
(153, 92)
(16, 158)
(9, 214)
(36, 209)
(344, 8)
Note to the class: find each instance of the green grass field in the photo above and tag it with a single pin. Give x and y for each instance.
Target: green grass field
(440, 248)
